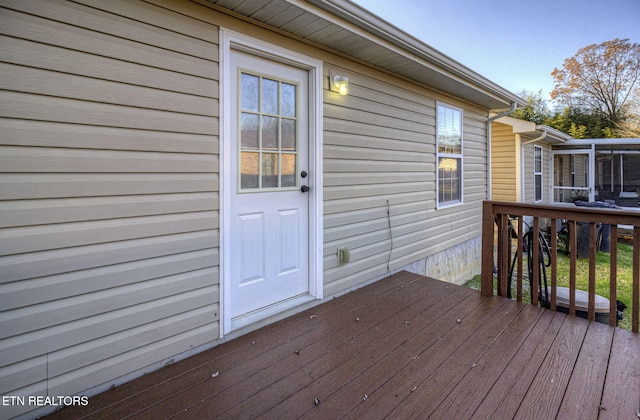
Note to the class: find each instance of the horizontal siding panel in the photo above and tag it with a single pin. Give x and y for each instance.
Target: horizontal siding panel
(32, 186)
(82, 88)
(332, 141)
(48, 211)
(359, 191)
(342, 179)
(504, 195)
(46, 263)
(474, 131)
(477, 198)
(96, 351)
(66, 235)
(77, 283)
(352, 105)
(52, 134)
(348, 218)
(361, 247)
(411, 243)
(371, 154)
(110, 369)
(191, 26)
(32, 54)
(343, 232)
(385, 91)
(356, 272)
(33, 28)
(46, 315)
(333, 126)
(46, 108)
(48, 340)
(43, 159)
(22, 374)
(366, 166)
(360, 203)
(364, 117)
(123, 24)
(339, 236)
(404, 230)
(40, 388)
(338, 280)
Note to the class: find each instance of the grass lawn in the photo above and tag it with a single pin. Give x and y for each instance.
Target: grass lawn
(625, 278)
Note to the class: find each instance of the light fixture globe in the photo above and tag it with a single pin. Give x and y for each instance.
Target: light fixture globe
(339, 84)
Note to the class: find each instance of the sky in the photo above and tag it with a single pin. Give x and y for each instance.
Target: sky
(514, 43)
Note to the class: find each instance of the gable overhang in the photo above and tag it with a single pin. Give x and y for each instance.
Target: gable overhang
(535, 132)
(347, 29)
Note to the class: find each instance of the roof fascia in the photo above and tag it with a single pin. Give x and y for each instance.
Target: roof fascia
(409, 46)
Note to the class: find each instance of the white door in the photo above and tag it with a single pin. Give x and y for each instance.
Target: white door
(269, 202)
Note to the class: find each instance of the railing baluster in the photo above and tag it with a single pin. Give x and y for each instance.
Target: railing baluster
(573, 250)
(636, 280)
(519, 251)
(505, 246)
(592, 271)
(535, 244)
(613, 276)
(554, 262)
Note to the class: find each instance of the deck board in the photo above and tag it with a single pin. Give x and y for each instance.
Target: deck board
(554, 373)
(404, 347)
(471, 390)
(584, 390)
(621, 396)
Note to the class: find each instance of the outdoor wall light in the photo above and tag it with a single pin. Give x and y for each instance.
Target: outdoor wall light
(339, 83)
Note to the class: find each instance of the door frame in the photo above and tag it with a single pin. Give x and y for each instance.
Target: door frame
(233, 40)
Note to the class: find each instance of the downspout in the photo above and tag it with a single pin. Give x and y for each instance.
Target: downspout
(514, 105)
(522, 174)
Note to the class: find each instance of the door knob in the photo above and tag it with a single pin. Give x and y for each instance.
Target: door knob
(304, 188)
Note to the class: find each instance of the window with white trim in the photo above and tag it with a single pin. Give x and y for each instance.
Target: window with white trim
(537, 173)
(449, 155)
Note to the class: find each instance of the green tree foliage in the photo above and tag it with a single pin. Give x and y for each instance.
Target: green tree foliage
(574, 121)
(536, 109)
(580, 124)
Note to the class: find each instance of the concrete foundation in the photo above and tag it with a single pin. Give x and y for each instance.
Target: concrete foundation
(457, 264)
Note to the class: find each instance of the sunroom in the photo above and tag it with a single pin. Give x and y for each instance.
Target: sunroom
(597, 170)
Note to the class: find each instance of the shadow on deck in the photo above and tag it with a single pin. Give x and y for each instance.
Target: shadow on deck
(405, 347)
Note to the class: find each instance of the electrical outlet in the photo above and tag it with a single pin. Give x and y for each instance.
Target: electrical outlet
(343, 256)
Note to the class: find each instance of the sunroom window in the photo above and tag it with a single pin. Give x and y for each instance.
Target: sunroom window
(449, 155)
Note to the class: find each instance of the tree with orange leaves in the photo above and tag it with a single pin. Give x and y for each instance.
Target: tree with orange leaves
(603, 79)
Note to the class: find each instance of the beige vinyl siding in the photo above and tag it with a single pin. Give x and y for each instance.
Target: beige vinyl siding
(379, 146)
(529, 194)
(109, 201)
(581, 167)
(503, 163)
(109, 191)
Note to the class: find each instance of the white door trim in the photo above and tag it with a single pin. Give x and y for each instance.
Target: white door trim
(228, 40)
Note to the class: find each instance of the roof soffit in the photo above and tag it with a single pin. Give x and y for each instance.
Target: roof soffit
(345, 27)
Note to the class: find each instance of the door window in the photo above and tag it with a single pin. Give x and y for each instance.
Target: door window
(268, 133)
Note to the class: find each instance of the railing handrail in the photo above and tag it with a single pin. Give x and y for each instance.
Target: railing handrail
(610, 216)
(498, 212)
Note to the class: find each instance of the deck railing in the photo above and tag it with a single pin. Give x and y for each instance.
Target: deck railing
(503, 227)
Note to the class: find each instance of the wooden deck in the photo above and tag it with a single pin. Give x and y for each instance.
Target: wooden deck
(404, 347)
